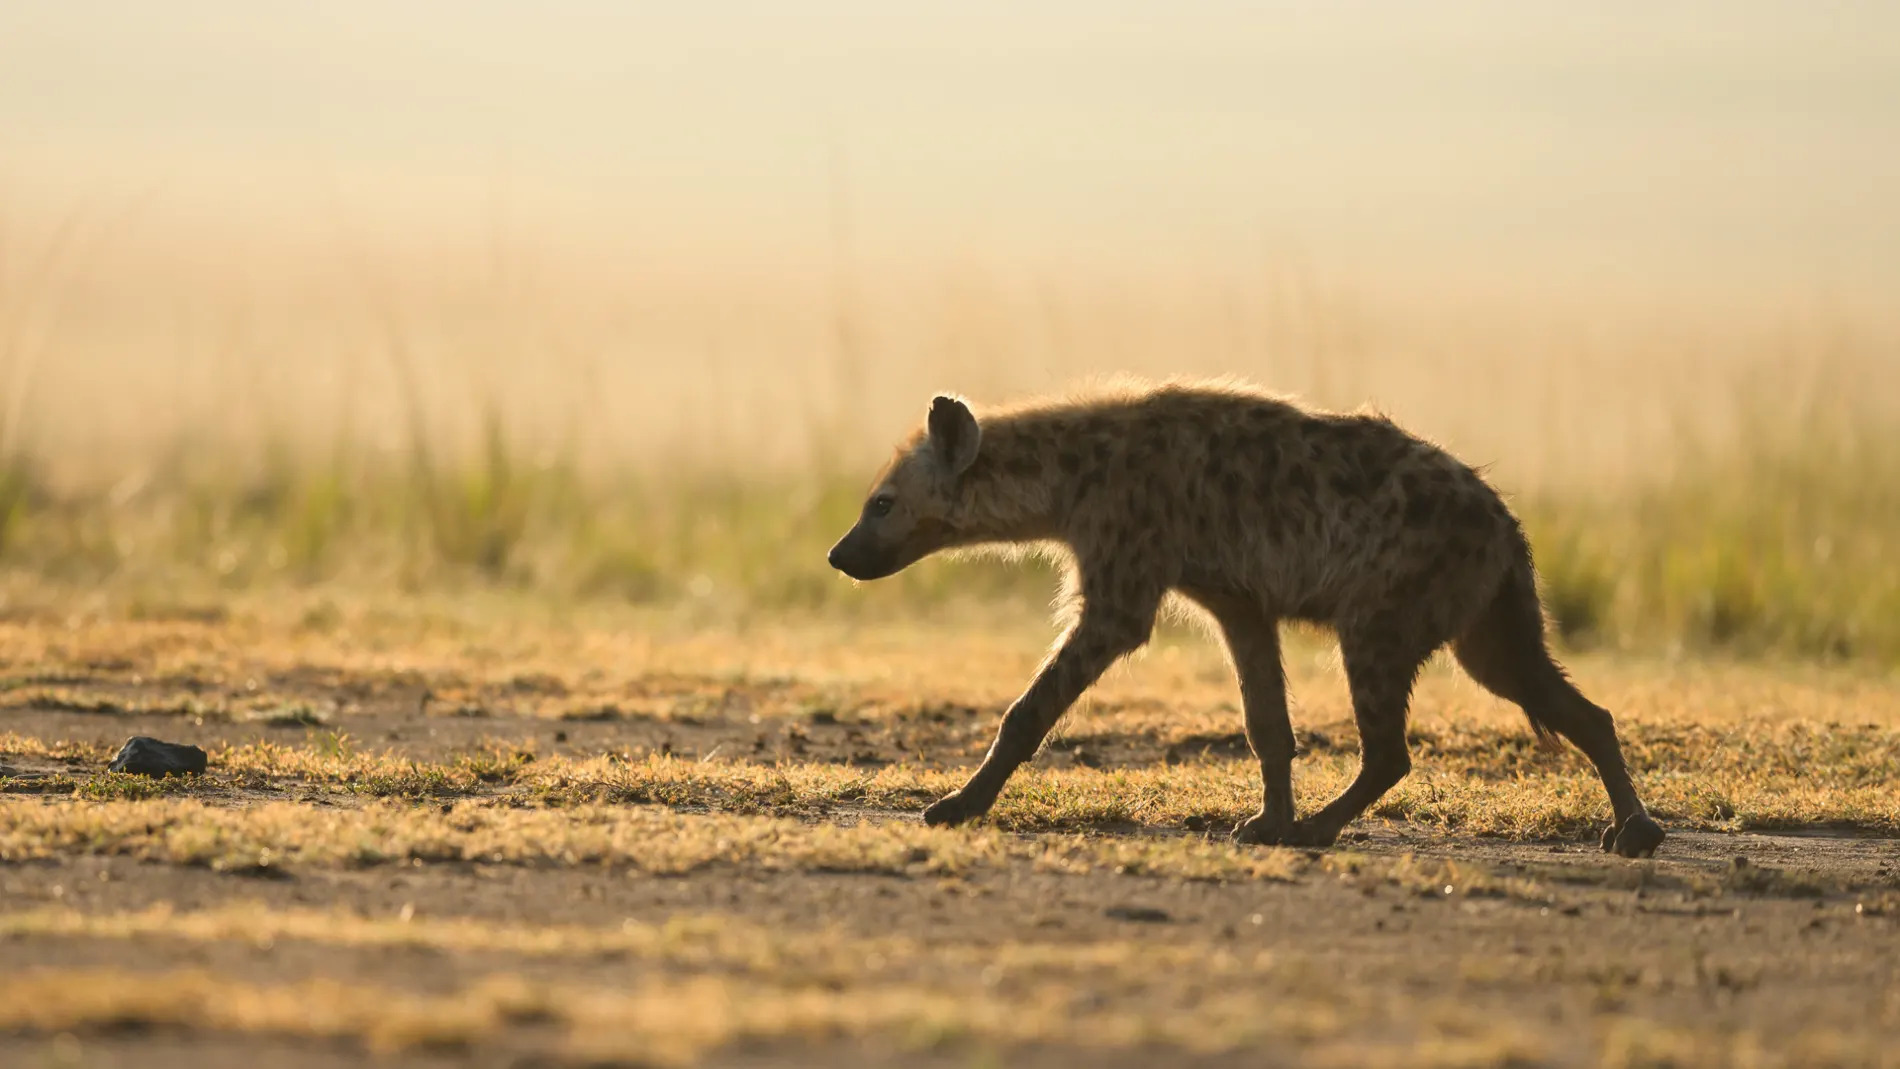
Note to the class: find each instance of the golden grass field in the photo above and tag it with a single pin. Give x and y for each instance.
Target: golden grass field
(476, 830)
(540, 733)
(550, 740)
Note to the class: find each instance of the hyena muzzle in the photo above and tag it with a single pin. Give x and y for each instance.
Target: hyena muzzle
(1258, 511)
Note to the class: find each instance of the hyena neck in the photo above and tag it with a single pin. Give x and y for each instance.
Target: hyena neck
(1010, 492)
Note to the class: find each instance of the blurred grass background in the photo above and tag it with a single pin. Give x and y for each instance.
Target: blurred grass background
(278, 310)
(1736, 491)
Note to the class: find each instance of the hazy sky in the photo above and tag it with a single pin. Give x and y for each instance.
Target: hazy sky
(1750, 143)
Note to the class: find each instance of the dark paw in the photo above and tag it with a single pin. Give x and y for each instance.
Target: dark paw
(1306, 833)
(950, 810)
(1258, 830)
(1639, 836)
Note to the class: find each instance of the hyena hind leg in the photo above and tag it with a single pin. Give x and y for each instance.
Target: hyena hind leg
(1380, 672)
(1505, 652)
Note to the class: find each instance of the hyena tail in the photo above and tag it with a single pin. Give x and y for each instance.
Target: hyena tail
(1505, 651)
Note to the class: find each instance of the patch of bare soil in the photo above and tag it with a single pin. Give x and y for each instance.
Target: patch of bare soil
(1620, 945)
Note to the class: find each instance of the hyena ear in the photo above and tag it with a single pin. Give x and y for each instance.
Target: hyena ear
(954, 434)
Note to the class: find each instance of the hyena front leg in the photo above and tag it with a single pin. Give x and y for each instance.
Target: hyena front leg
(1253, 641)
(1114, 622)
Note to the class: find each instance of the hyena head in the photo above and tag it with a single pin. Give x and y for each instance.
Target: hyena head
(910, 511)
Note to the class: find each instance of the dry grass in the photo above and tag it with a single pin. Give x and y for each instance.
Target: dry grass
(647, 840)
(326, 804)
(677, 1021)
(743, 983)
(1480, 782)
(819, 955)
(784, 713)
(723, 981)
(523, 658)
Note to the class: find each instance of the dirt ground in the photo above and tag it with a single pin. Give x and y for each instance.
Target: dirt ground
(1746, 942)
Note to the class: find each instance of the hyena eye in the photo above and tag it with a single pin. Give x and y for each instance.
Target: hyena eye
(881, 504)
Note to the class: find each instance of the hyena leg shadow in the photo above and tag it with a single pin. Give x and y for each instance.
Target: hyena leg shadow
(1380, 670)
(1504, 650)
(1114, 622)
(1253, 641)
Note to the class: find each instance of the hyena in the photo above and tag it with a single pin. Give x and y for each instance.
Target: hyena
(1258, 510)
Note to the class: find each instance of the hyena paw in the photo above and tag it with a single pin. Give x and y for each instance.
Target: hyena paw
(950, 810)
(1261, 830)
(1639, 836)
(1307, 833)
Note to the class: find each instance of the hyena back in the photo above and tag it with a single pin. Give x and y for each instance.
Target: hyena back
(1259, 511)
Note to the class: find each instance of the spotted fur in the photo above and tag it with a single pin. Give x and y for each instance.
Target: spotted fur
(1259, 511)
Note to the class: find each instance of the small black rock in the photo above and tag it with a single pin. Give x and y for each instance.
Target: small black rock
(144, 756)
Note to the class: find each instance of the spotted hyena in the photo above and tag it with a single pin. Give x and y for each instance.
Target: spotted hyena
(1259, 511)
